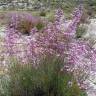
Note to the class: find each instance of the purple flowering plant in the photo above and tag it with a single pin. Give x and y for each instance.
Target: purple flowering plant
(58, 37)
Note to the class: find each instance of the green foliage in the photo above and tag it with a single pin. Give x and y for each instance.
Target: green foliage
(80, 31)
(40, 25)
(4, 85)
(47, 79)
(83, 93)
(42, 13)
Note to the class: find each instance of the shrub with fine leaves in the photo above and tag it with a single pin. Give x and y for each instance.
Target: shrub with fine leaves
(48, 79)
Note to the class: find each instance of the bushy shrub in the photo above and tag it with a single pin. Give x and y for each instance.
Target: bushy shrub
(42, 13)
(80, 31)
(46, 79)
(77, 54)
(55, 38)
(40, 26)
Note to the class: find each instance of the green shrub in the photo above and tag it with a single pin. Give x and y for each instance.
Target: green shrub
(46, 79)
(40, 26)
(80, 31)
(43, 13)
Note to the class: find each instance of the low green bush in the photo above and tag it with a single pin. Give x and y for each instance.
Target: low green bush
(40, 26)
(80, 31)
(46, 79)
(43, 13)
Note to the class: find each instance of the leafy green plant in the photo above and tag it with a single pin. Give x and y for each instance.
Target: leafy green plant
(46, 79)
(40, 26)
(80, 31)
(42, 13)
(83, 93)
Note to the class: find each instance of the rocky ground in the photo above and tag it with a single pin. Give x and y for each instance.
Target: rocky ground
(90, 35)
